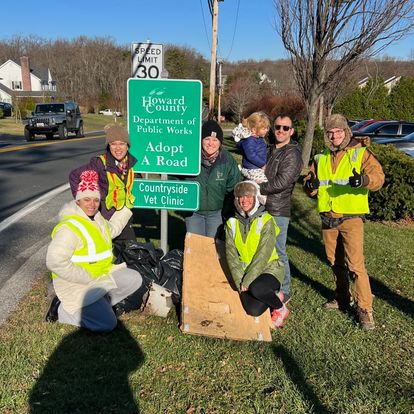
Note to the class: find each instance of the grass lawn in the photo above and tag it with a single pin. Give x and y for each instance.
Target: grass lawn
(319, 362)
(92, 122)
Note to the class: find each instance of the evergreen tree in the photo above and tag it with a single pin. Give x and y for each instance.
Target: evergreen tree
(375, 100)
(401, 99)
(351, 104)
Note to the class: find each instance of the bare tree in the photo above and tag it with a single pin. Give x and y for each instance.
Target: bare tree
(239, 95)
(327, 38)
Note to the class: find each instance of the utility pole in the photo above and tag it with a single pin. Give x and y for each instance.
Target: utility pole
(213, 60)
(220, 91)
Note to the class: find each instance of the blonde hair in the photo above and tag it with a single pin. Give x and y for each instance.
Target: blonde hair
(256, 120)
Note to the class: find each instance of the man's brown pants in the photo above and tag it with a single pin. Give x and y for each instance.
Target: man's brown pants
(344, 247)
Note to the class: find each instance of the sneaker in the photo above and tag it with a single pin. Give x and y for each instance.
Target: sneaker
(366, 319)
(279, 316)
(52, 312)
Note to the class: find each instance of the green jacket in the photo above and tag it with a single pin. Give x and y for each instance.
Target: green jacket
(217, 181)
(260, 263)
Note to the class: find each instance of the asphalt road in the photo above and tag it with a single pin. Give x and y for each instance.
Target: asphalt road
(33, 185)
(29, 170)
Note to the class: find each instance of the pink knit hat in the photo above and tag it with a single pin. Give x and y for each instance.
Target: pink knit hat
(88, 185)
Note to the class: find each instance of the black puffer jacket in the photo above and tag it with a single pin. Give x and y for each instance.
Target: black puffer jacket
(282, 170)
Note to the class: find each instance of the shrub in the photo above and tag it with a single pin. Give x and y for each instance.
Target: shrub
(401, 99)
(1, 114)
(396, 199)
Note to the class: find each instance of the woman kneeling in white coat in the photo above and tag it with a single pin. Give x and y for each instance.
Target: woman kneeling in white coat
(90, 289)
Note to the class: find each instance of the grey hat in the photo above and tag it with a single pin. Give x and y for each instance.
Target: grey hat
(116, 133)
(246, 188)
(340, 122)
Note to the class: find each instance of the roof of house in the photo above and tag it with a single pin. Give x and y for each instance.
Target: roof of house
(41, 73)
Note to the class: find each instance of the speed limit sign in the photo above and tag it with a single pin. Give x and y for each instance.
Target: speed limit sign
(147, 60)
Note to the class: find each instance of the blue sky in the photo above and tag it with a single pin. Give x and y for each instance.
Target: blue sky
(178, 22)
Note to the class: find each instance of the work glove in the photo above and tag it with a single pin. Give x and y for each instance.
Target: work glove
(358, 180)
(313, 183)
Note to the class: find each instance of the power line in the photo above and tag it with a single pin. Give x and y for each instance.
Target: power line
(205, 27)
(210, 6)
(234, 31)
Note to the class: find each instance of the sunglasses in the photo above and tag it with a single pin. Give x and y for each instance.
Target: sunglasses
(284, 127)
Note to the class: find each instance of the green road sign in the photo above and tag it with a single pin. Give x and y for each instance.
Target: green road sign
(166, 195)
(164, 122)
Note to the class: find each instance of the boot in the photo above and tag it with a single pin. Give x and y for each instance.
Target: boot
(52, 312)
(335, 305)
(366, 319)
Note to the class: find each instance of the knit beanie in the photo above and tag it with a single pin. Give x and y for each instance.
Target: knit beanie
(212, 129)
(88, 185)
(116, 133)
(340, 122)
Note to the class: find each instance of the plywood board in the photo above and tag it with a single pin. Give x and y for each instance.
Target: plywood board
(210, 306)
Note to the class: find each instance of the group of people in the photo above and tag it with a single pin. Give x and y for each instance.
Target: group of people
(340, 178)
(91, 291)
(256, 232)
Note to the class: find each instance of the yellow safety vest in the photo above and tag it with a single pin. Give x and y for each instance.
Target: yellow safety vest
(96, 254)
(334, 193)
(119, 193)
(247, 249)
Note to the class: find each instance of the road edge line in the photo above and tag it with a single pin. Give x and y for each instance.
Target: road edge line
(35, 204)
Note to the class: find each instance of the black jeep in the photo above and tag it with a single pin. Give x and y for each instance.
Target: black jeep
(54, 118)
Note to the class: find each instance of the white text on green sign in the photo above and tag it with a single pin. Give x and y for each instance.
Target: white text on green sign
(164, 121)
(166, 195)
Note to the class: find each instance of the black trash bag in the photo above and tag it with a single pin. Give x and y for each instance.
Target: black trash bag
(144, 258)
(144, 252)
(154, 267)
(172, 273)
(174, 258)
(117, 248)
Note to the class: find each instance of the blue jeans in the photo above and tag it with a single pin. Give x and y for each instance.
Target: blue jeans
(99, 315)
(205, 224)
(283, 224)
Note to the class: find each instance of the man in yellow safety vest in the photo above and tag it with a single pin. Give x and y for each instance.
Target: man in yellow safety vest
(341, 178)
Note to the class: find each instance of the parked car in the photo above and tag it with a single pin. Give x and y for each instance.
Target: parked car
(352, 122)
(385, 129)
(110, 112)
(364, 123)
(51, 118)
(6, 108)
(404, 144)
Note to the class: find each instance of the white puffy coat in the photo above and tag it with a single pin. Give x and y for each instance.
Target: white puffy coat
(73, 282)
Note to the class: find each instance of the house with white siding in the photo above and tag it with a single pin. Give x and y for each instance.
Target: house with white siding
(24, 80)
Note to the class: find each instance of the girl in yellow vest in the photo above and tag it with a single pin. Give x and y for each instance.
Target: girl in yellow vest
(251, 255)
(116, 176)
(90, 289)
